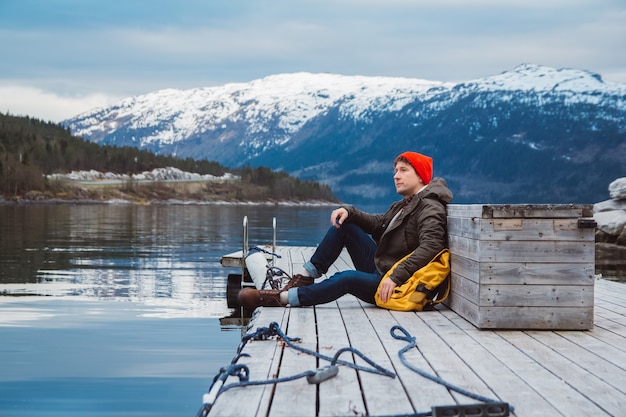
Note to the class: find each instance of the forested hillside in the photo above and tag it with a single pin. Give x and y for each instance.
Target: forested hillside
(30, 149)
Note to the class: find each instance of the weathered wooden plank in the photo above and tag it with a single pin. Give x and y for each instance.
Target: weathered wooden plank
(464, 247)
(364, 338)
(522, 273)
(436, 350)
(496, 361)
(522, 317)
(465, 210)
(535, 229)
(609, 332)
(264, 318)
(612, 300)
(263, 363)
(611, 315)
(298, 396)
(464, 267)
(519, 229)
(617, 308)
(466, 308)
(505, 345)
(297, 257)
(466, 288)
(595, 396)
(340, 395)
(520, 295)
(613, 292)
(422, 393)
(611, 320)
(555, 389)
(523, 251)
(536, 295)
(537, 273)
(567, 318)
(235, 259)
(594, 345)
(538, 210)
(618, 289)
(489, 211)
(464, 227)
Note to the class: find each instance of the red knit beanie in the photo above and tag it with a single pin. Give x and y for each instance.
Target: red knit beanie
(422, 164)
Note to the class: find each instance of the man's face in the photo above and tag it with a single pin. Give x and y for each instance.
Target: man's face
(406, 179)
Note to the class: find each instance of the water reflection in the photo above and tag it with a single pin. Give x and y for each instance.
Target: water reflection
(158, 254)
(120, 310)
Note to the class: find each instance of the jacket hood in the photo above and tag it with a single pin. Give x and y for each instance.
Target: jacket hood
(438, 190)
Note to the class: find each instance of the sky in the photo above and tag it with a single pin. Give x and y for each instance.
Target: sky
(60, 58)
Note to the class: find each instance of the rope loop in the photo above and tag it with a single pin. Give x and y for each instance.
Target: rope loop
(407, 336)
(242, 372)
(260, 249)
(411, 343)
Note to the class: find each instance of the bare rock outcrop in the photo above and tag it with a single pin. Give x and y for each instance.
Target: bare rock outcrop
(610, 216)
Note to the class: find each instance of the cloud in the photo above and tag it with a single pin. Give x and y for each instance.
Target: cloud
(87, 54)
(48, 106)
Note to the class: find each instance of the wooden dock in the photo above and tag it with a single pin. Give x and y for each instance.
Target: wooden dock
(539, 372)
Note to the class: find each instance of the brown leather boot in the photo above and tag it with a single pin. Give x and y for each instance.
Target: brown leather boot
(299, 281)
(252, 298)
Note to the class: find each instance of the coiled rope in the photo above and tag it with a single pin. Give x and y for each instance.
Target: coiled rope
(264, 333)
(274, 329)
(411, 343)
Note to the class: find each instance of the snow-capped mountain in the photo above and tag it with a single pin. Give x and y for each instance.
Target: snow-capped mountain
(533, 134)
(281, 104)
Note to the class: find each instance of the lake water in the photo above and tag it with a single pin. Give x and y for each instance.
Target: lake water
(120, 310)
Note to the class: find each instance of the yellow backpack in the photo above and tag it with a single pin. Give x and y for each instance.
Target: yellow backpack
(427, 286)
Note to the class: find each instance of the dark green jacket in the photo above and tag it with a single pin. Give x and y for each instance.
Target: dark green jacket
(422, 229)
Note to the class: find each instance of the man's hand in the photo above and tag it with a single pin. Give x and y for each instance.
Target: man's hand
(338, 216)
(386, 289)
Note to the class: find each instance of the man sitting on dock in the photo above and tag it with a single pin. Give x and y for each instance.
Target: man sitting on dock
(416, 225)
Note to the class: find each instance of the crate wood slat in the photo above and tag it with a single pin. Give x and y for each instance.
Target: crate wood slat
(522, 266)
(523, 251)
(523, 272)
(522, 210)
(536, 296)
(517, 229)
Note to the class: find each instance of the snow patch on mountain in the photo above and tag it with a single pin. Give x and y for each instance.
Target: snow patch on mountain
(286, 101)
(282, 104)
(343, 130)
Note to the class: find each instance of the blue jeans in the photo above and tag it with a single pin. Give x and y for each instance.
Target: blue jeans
(361, 283)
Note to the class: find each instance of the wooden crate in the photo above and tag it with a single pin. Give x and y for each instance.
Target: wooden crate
(523, 266)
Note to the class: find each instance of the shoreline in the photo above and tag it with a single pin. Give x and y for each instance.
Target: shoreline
(118, 201)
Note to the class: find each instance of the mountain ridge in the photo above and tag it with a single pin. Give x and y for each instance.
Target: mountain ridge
(345, 130)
